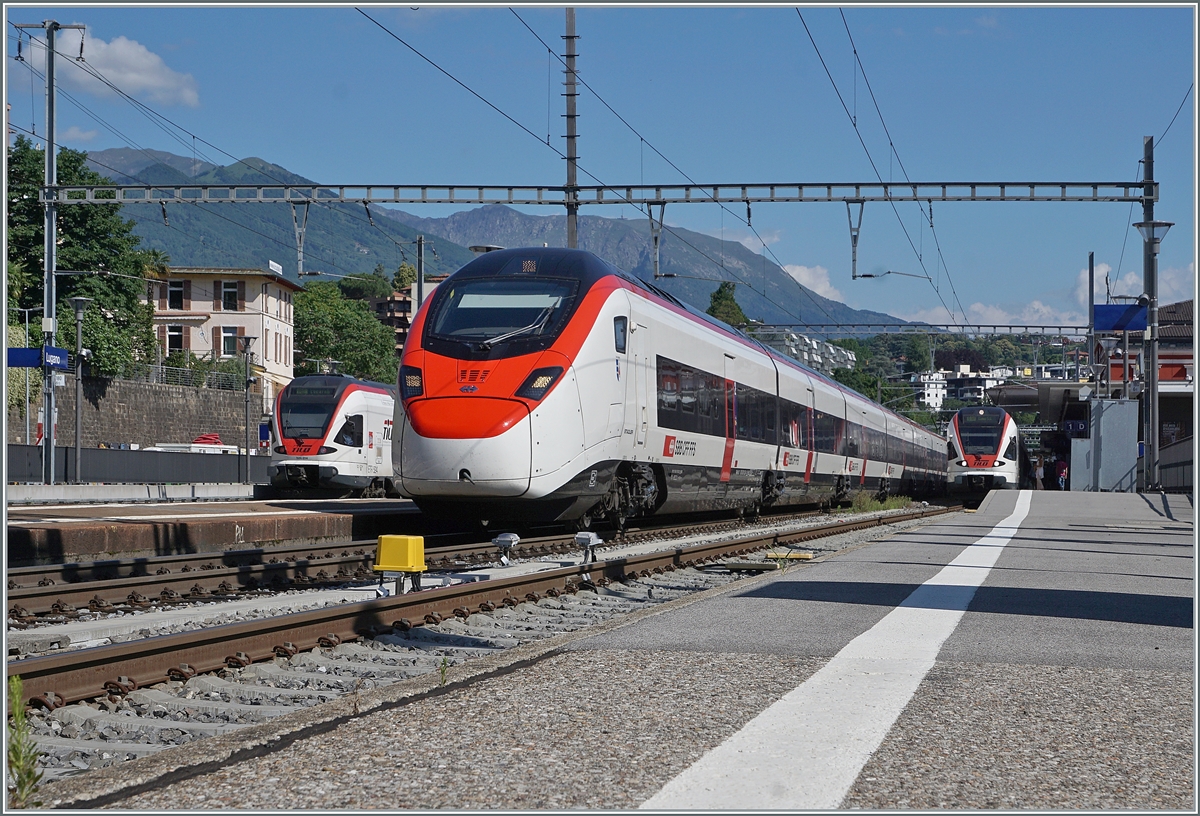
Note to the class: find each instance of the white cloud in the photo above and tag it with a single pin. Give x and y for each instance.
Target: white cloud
(1176, 284)
(1081, 284)
(74, 134)
(126, 63)
(1035, 313)
(815, 278)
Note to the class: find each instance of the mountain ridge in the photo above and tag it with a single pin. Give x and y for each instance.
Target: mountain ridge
(345, 239)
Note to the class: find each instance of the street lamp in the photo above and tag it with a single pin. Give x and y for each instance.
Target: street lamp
(27, 311)
(79, 304)
(246, 342)
(1152, 234)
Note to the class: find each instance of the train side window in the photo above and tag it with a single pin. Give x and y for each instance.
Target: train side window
(1010, 453)
(351, 433)
(620, 330)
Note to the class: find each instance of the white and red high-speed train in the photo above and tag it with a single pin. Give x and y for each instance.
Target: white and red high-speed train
(546, 384)
(333, 435)
(985, 451)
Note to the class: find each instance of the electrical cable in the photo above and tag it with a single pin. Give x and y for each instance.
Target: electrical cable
(643, 141)
(871, 160)
(154, 117)
(899, 161)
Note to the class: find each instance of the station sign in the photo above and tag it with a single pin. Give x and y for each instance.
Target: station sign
(1120, 317)
(24, 358)
(54, 357)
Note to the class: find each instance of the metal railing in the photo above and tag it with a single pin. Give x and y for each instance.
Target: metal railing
(168, 375)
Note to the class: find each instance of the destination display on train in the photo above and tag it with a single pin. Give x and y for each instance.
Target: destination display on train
(312, 391)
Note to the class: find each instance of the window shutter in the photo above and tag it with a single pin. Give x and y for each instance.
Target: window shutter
(187, 336)
(241, 296)
(216, 296)
(218, 332)
(162, 297)
(187, 296)
(162, 337)
(266, 346)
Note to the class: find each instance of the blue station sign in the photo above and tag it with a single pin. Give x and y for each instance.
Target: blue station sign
(54, 357)
(1120, 317)
(24, 358)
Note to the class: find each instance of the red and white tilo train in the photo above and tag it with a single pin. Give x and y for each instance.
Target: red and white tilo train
(985, 451)
(333, 436)
(546, 384)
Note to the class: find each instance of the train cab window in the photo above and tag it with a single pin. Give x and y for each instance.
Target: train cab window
(516, 312)
(351, 433)
(620, 330)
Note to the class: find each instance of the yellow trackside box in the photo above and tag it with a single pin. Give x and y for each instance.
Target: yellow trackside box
(400, 553)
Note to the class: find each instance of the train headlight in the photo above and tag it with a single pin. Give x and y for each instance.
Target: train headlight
(280, 449)
(411, 384)
(326, 449)
(538, 383)
(963, 463)
(999, 463)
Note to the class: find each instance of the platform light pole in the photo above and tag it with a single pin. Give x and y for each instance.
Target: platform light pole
(247, 341)
(1152, 234)
(79, 304)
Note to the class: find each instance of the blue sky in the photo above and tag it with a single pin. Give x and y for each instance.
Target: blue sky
(727, 94)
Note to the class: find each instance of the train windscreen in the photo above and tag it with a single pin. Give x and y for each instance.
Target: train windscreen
(486, 313)
(304, 412)
(980, 429)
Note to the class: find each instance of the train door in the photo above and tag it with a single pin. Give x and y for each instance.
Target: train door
(621, 369)
(641, 373)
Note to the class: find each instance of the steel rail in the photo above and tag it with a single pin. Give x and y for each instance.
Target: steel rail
(54, 680)
(101, 585)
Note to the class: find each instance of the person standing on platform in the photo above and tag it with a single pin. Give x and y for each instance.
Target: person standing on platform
(1039, 473)
(1061, 470)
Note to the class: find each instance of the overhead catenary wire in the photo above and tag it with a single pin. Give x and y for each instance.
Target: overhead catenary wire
(158, 119)
(644, 142)
(522, 127)
(893, 152)
(871, 160)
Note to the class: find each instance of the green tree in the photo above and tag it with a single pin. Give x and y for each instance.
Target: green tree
(360, 286)
(331, 326)
(92, 239)
(406, 275)
(724, 306)
(917, 353)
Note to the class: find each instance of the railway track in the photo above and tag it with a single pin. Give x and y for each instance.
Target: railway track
(56, 679)
(132, 699)
(66, 591)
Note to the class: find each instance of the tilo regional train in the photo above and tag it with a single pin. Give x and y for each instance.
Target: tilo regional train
(333, 436)
(547, 384)
(985, 451)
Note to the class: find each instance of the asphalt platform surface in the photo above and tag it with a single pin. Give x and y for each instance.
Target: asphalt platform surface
(1035, 654)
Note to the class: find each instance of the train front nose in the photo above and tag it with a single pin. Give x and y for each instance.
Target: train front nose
(466, 446)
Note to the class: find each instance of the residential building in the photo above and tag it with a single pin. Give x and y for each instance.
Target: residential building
(930, 388)
(205, 310)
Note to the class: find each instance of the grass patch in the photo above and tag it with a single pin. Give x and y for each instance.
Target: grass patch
(23, 773)
(863, 502)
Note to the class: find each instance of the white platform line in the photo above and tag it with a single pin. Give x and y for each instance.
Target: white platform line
(805, 751)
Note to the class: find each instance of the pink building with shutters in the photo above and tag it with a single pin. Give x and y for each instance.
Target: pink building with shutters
(205, 310)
